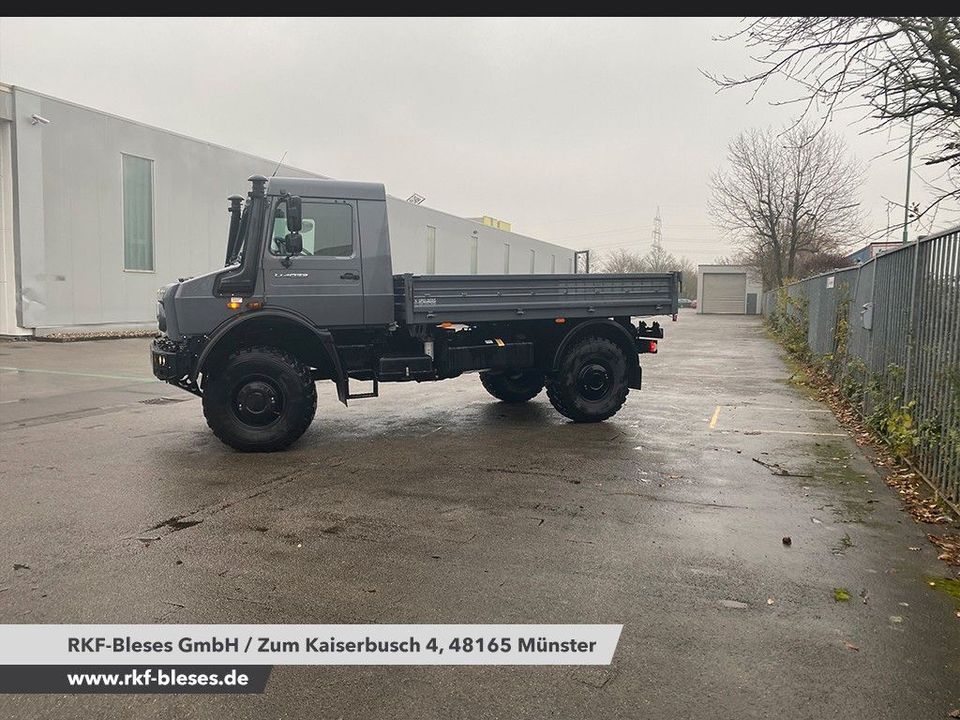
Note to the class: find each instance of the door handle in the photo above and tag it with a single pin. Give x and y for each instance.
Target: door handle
(349, 276)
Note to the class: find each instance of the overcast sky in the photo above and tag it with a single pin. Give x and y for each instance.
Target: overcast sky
(573, 130)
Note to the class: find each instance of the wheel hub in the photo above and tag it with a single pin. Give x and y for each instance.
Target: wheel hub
(258, 402)
(593, 381)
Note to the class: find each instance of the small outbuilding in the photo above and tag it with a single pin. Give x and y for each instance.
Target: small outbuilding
(728, 290)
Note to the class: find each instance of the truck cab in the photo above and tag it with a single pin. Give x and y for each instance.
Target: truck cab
(307, 293)
(338, 278)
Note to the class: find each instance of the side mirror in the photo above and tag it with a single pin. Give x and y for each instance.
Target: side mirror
(294, 214)
(293, 242)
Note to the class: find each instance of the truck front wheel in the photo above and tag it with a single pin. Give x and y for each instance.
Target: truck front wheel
(590, 384)
(260, 400)
(512, 386)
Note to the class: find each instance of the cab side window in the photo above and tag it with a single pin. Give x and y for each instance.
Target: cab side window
(327, 229)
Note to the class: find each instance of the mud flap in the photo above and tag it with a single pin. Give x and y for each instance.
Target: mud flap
(336, 369)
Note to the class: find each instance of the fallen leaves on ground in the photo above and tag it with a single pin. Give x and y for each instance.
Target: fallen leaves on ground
(921, 508)
(949, 545)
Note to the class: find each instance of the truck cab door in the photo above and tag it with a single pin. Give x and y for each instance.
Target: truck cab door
(323, 282)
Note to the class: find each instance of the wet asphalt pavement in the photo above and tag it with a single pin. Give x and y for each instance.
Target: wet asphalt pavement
(435, 503)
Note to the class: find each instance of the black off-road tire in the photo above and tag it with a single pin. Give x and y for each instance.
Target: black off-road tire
(512, 386)
(261, 400)
(591, 383)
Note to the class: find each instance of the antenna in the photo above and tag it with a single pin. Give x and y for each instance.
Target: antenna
(657, 229)
(282, 157)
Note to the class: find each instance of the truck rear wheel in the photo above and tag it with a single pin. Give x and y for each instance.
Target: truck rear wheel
(512, 386)
(261, 400)
(591, 383)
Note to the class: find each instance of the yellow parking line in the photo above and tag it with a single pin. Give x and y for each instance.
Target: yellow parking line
(716, 416)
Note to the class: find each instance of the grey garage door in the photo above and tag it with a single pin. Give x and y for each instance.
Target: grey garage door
(724, 292)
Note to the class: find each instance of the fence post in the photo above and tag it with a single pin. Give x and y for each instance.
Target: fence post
(912, 330)
(869, 341)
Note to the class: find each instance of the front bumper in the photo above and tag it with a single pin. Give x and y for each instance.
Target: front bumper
(170, 360)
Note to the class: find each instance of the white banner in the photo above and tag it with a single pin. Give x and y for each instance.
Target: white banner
(308, 644)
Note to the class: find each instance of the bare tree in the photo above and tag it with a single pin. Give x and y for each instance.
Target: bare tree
(822, 262)
(657, 259)
(894, 68)
(622, 261)
(755, 255)
(688, 277)
(785, 194)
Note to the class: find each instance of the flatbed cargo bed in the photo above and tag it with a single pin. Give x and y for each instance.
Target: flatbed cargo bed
(424, 299)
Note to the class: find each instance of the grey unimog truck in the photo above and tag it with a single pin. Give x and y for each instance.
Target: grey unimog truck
(307, 293)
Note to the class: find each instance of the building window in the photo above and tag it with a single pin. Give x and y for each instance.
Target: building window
(137, 213)
(431, 250)
(474, 252)
(506, 258)
(533, 261)
(553, 264)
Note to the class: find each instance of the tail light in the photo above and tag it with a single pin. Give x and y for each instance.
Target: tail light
(653, 346)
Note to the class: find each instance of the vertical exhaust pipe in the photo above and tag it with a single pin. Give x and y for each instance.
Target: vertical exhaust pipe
(234, 211)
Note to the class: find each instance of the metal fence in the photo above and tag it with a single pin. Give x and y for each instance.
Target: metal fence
(888, 332)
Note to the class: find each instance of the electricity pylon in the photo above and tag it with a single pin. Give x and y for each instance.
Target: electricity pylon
(657, 229)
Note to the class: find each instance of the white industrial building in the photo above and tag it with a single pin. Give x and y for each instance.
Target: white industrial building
(728, 290)
(97, 212)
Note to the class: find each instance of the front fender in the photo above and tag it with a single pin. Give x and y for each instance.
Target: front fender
(226, 330)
